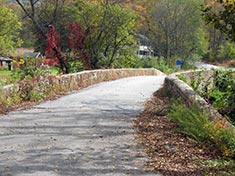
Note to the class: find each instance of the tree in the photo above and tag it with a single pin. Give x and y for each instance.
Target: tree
(44, 14)
(216, 40)
(176, 27)
(221, 13)
(109, 30)
(9, 30)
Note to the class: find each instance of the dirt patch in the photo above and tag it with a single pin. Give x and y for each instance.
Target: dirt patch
(170, 152)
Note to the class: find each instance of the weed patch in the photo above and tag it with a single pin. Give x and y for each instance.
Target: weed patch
(194, 122)
(218, 90)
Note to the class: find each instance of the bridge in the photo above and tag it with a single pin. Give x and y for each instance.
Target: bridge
(88, 132)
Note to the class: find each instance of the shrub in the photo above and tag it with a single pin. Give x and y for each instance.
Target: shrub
(7, 101)
(74, 65)
(29, 68)
(126, 61)
(220, 92)
(191, 121)
(155, 62)
(194, 122)
(31, 89)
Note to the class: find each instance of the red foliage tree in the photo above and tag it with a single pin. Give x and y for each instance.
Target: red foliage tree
(53, 51)
(76, 39)
(76, 36)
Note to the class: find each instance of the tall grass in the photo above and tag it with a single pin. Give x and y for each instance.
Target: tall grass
(194, 122)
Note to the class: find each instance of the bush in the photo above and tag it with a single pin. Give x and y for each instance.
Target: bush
(227, 51)
(29, 68)
(222, 95)
(195, 123)
(192, 121)
(30, 89)
(126, 61)
(155, 62)
(74, 65)
(29, 72)
(220, 92)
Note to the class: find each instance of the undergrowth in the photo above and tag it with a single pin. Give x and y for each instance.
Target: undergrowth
(194, 122)
(218, 90)
(30, 90)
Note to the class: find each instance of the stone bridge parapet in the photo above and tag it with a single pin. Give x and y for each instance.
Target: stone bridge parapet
(82, 79)
(180, 89)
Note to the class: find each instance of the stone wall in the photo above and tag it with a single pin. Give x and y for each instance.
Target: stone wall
(85, 78)
(195, 75)
(178, 88)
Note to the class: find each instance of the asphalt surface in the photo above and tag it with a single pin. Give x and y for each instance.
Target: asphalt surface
(88, 133)
(202, 65)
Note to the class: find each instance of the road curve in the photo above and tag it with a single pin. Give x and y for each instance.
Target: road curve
(202, 65)
(87, 132)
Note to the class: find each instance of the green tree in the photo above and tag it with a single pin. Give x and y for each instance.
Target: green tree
(227, 51)
(177, 25)
(108, 27)
(109, 32)
(220, 13)
(215, 38)
(43, 13)
(9, 30)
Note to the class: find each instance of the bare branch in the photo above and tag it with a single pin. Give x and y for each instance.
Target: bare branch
(31, 15)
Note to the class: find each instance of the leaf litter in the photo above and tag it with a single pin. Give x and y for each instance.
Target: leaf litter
(171, 152)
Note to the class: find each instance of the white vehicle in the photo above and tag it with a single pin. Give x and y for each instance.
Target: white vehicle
(144, 51)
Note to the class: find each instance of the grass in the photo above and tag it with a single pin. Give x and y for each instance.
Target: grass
(5, 75)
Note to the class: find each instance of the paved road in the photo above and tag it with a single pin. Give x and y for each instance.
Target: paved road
(202, 65)
(85, 133)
